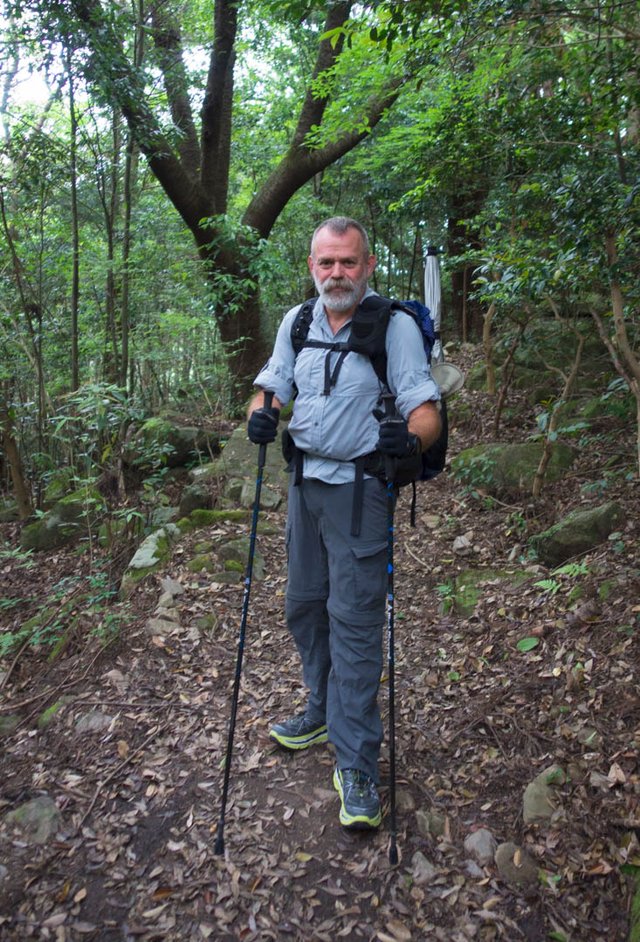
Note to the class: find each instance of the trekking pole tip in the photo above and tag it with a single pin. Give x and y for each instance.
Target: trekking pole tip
(218, 847)
(393, 854)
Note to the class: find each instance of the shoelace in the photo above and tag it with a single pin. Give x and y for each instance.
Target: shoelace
(361, 784)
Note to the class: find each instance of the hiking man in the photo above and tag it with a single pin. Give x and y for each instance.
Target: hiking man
(337, 525)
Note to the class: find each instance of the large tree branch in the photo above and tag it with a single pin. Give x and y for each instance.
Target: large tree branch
(217, 106)
(166, 36)
(300, 164)
(314, 106)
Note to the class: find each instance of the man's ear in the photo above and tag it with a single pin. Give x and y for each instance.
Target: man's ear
(371, 264)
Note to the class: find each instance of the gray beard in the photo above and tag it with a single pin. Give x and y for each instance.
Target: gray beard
(344, 298)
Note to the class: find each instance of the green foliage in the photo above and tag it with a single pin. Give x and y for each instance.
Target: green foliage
(511, 144)
(24, 558)
(527, 644)
(476, 471)
(563, 577)
(446, 591)
(54, 625)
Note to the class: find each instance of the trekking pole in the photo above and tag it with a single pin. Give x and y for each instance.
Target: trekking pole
(390, 473)
(262, 455)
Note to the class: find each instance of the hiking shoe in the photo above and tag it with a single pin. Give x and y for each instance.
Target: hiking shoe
(360, 804)
(298, 733)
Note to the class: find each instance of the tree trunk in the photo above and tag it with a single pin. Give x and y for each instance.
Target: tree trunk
(551, 434)
(487, 345)
(12, 452)
(75, 233)
(130, 173)
(466, 314)
(194, 172)
(112, 314)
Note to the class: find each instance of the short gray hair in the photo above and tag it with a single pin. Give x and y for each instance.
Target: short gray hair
(339, 225)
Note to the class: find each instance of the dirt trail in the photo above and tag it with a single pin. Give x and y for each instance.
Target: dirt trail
(477, 719)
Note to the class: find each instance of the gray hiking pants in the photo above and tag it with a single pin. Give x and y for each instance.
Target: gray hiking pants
(335, 608)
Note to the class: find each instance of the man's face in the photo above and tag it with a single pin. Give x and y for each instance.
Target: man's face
(340, 269)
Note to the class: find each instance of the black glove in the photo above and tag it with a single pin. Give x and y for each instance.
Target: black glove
(263, 425)
(396, 440)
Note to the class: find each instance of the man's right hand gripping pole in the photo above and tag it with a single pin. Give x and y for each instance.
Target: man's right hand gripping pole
(262, 426)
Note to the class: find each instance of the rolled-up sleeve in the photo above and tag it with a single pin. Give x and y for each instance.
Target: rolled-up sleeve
(408, 373)
(277, 373)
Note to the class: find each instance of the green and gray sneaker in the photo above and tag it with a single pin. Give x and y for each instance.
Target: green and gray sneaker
(360, 804)
(298, 733)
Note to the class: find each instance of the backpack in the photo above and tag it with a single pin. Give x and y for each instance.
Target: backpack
(368, 332)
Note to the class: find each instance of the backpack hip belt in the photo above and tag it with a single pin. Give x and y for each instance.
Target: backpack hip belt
(371, 464)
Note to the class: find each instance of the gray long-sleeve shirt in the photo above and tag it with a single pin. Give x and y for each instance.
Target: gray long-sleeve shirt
(334, 429)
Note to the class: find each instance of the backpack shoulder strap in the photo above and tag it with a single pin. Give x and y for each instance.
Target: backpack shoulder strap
(301, 324)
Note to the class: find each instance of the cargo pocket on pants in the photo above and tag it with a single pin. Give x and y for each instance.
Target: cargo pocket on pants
(368, 591)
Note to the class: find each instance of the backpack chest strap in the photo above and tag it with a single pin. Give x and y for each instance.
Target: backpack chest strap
(330, 376)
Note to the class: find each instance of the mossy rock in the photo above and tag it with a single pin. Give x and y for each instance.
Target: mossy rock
(270, 497)
(151, 555)
(239, 460)
(267, 529)
(208, 622)
(227, 577)
(207, 472)
(200, 518)
(233, 489)
(501, 468)
(470, 585)
(235, 555)
(161, 516)
(203, 562)
(195, 497)
(234, 565)
(66, 522)
(173, 441)
(577, 533)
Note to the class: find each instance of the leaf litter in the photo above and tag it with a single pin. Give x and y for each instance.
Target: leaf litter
(479, 714)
